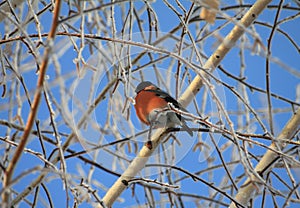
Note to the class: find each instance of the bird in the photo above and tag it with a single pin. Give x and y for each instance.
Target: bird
(152, 106)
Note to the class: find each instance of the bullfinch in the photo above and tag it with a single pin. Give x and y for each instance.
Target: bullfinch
(152, 107)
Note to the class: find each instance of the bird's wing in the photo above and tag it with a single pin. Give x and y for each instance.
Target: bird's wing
(168, 98)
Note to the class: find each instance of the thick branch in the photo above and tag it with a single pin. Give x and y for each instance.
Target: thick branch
(288, 132)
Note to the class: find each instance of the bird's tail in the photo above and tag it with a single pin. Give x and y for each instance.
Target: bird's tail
(186, 128)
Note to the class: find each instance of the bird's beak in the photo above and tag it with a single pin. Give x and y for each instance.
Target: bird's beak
(132, 100)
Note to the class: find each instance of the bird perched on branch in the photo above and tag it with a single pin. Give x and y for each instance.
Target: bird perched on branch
(157, 108)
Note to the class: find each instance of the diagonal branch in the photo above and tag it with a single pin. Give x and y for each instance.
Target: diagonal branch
(267, 161)
(139, 162)
(34, 107)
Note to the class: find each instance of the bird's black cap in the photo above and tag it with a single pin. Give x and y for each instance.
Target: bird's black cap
(142, 86)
